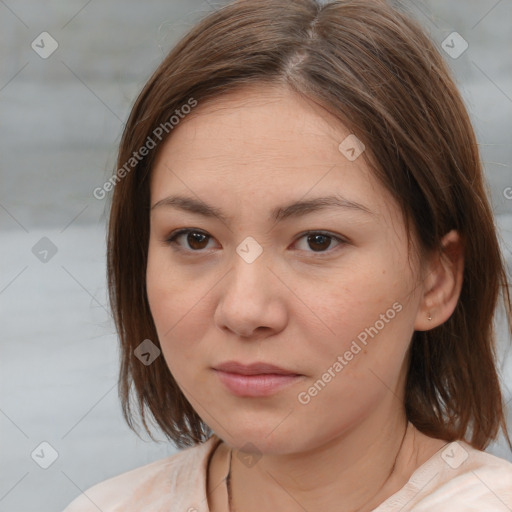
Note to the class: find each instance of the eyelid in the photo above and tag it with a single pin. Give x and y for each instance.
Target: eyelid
(170, 240)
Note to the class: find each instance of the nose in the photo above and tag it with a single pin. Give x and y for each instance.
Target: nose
(252, 300)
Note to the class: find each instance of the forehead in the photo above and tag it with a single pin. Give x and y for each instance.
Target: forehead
(259, 142)
(269, 118)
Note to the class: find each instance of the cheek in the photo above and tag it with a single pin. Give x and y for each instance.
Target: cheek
(177, 302)
(171, 291)
(168, 295)
(358, 365)
(366, 312)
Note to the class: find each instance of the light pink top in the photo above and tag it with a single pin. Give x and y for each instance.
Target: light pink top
(457, 478)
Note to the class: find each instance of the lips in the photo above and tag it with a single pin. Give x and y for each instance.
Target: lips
(253, 368)
(256, 379)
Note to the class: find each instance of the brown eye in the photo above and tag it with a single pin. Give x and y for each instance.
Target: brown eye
(195, 240)
(320, 242)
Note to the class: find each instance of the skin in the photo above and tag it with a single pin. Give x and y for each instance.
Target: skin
(247, 153)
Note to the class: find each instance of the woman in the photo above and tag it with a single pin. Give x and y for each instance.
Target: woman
(304, 268)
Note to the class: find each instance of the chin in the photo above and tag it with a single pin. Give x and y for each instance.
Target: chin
(263, 437)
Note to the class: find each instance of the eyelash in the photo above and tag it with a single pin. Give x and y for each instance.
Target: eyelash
(171, 240)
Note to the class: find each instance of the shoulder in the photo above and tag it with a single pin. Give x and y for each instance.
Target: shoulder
(175, 482)
(464, 478)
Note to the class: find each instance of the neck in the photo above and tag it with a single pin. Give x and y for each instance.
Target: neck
(352, 472)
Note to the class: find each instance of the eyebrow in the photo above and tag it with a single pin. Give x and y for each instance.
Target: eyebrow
(280, 213)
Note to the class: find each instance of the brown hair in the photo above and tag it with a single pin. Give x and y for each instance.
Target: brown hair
(372, 66)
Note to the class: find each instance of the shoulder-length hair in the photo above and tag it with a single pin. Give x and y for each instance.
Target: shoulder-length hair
(373, 67)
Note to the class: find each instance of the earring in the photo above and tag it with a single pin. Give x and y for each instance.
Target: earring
(429, 316)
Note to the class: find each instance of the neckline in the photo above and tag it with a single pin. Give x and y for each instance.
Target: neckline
(224, 467)
(417, 477)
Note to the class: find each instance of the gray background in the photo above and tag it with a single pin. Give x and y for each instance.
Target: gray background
(60, 122)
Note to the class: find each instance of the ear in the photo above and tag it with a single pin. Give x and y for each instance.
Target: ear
(442, 284)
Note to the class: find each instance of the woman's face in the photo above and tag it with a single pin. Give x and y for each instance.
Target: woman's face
(324, 292)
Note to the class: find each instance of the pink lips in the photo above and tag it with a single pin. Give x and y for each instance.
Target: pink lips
(256, 379)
